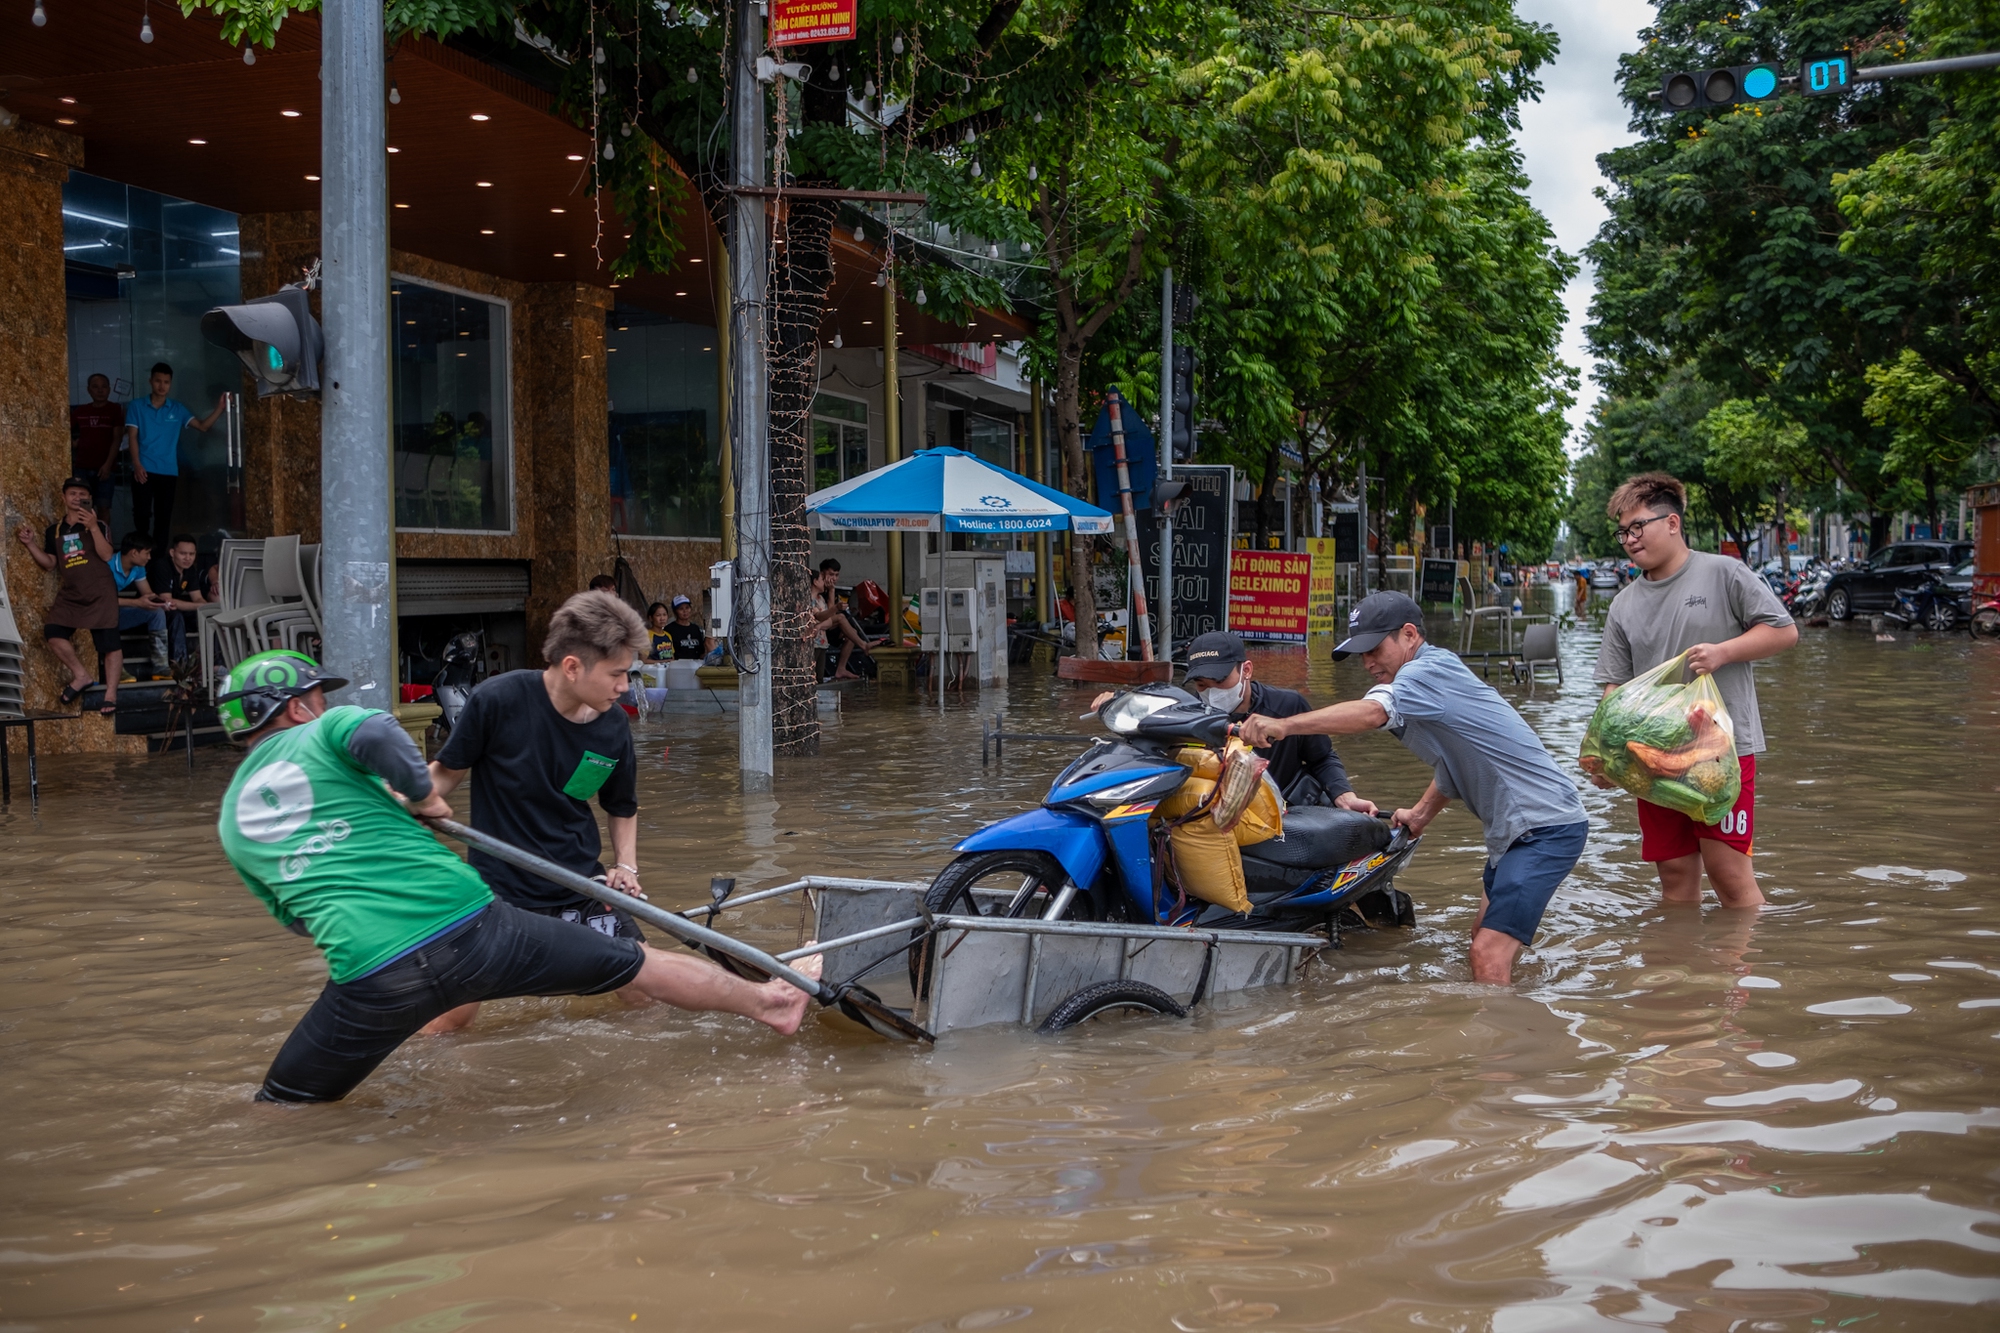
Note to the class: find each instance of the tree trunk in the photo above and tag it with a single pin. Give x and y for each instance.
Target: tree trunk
(1069, 430)
(801, 273)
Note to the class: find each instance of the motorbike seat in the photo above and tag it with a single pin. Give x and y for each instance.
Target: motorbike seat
(1318, 836)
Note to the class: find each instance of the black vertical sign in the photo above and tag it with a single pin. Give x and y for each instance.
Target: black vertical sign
(1204, 531)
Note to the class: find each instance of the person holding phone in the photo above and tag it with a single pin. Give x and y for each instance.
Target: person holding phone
(77, 549)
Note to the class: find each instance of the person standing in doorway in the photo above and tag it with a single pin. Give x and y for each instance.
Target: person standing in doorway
(153, 427)
(77, 547)
(95, 429)
(1714, 609)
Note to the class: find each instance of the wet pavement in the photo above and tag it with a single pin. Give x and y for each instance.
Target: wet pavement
(1696, 1121)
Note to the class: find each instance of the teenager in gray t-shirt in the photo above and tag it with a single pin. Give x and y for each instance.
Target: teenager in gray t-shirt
(1718, 612)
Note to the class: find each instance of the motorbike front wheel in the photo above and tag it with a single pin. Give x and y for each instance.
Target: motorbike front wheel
(1011, 883)
(1941, 617)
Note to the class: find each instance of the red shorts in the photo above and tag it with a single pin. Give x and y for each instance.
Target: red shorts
(1668, 835)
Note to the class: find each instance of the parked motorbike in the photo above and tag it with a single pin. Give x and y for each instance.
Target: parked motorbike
(463, 662)
(1986, 615)
(1088, 852)
(1929, 605)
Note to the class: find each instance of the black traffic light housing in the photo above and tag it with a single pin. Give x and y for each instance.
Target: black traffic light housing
(1181, 429)
(1694, 90)
(276, 337)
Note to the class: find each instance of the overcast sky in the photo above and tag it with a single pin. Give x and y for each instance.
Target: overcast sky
(1578, 117)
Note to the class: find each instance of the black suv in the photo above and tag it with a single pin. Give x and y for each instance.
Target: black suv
(1872, 586)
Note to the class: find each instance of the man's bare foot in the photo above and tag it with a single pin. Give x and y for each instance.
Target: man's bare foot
(845, 675)
(787, 1003)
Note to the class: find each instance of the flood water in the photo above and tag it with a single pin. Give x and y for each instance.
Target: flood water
(1676, 1119)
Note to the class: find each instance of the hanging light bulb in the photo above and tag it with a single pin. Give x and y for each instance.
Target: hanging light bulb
(976, 172)
(625, 130)
(897, 45)
(1027, 247)
(993, 251)
(41, 19)
(1034, 173)
(600, 87)
(692, 76)
(968, 86)
(882, 278)
(923, 297)
(867, 85)
(250, 58)
(1038, 118)
(600, 55)
(833, 71)
(859, 233)
(395, 93)
(146, 28)
(609, 152)
(836, 337)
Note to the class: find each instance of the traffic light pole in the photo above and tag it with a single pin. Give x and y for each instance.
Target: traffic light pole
(1164, 446)
(356, 527)
(750, 407)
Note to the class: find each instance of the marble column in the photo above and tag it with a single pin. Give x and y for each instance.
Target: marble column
(564, 500)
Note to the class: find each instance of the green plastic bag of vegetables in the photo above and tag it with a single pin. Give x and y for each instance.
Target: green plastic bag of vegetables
(1667, 742)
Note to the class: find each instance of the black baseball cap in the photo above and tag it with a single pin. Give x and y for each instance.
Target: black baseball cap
(1374, 618)
(1214, 655)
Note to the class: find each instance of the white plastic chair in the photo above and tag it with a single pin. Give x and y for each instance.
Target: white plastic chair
(277, 592)
(1539, 655)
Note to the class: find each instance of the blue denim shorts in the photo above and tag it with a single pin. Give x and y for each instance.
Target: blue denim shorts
(1520, 884)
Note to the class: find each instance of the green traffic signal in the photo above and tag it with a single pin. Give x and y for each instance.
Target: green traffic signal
(1689, 90)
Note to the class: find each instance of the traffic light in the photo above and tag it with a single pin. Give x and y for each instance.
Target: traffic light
(275, 336)
(1822, 76)
(1691, 90)
(1180, 430)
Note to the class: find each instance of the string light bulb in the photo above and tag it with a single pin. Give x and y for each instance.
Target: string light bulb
(600, 55)
(1033, 173)
(692, 76)
(993, 251)
(867, 85)
(968, 134)
(395, 94)
(897, 45)
(625, 130)
(146, 28)
(882, 278)
(923, 297)
(41, 19)
(833, 71)
(859, 233)
(600, 87)
(609, 152)
(1038, 118)
(1027, 247)
(836, 337)
(250, 58)
(976, 172)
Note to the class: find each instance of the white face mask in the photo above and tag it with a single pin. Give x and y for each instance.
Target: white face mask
(1226, 700)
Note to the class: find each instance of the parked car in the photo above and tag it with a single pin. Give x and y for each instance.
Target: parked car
(1872, 585)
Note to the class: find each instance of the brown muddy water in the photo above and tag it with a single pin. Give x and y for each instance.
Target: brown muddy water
(1695, 1121)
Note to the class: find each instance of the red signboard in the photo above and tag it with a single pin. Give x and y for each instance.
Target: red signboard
(1268, 594)
(801, 22)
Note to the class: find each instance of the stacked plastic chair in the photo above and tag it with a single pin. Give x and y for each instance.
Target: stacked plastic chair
(269, 598)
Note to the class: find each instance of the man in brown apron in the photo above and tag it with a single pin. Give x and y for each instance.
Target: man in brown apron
(78, 548)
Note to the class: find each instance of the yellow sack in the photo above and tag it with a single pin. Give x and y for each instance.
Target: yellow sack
(1207, 860)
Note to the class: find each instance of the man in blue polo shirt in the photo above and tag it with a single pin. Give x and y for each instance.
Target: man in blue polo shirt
(153, 427)
(1480, 752)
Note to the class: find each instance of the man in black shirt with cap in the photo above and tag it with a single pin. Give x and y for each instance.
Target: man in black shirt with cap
(1306, 768)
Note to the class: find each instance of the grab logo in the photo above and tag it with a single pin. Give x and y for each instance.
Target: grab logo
(275, 804)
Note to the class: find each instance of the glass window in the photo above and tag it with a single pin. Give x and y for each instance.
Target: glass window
(665, 437)
(990, 439)
(453, 463)
(141, 269)
(840, 448)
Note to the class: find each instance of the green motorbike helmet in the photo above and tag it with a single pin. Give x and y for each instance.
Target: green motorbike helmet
(258, 686)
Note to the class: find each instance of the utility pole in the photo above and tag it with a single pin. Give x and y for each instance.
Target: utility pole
(356, 525)
(1163, 515)
(1039, 444)
(750, 406)
(892, 427)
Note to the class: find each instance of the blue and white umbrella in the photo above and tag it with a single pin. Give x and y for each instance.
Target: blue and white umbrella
(952, 491)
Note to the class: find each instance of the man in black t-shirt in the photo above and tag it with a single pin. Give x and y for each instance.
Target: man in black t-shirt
(179, 577)
(690, 640)
(540, 745)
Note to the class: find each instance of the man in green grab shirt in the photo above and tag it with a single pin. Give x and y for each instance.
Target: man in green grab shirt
(408, 929)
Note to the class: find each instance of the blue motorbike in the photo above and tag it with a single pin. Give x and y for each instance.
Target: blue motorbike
(1093, 851)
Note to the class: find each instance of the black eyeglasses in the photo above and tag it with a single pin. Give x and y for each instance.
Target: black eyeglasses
(1632, 529)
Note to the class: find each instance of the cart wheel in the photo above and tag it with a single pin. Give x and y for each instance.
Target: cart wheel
(1003, 872)
(1107, 995)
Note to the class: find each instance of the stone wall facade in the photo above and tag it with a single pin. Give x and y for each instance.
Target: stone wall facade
(34, 411)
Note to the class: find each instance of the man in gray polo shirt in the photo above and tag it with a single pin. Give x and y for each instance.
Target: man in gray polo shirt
(1714, 609)
(1481, 752)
